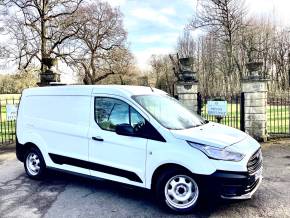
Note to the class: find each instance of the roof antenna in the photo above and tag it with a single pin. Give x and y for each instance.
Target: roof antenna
(151, 87)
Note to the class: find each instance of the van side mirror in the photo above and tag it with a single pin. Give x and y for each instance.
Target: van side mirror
(125, 129)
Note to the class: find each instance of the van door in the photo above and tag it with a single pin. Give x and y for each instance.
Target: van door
(116, 157)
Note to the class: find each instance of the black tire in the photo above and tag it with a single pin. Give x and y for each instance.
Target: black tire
(37, 170)
(163, 183)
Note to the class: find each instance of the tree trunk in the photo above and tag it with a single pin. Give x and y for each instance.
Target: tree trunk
(121, 80)
(43, 34)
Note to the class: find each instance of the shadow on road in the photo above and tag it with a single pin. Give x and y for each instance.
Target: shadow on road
(141, 196)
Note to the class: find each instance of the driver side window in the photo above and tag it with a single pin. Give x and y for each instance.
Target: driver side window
(110, 112)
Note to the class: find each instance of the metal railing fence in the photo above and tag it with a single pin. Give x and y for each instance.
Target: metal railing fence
(8, 111)
(278, 114)
(234, 115)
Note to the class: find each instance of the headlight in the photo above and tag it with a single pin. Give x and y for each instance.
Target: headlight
(217, 153)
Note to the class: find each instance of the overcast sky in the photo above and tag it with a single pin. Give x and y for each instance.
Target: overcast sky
(154, 25)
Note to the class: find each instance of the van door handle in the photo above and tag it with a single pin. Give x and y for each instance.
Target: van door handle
(97, 138)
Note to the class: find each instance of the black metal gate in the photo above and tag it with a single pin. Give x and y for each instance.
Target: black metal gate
(8, 123)
(235, 110)
(278, 114)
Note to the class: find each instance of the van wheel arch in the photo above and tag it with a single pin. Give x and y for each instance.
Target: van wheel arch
(22, 149)
(30, 145)
(164, 168)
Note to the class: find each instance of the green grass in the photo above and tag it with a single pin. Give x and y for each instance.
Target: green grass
(7, 131)
(278, 119)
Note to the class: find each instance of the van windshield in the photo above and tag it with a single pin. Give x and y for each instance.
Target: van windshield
(169, 112)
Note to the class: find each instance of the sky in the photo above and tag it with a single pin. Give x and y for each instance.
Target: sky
(154, 25)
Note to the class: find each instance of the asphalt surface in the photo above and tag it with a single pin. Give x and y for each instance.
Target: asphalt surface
(64, 195)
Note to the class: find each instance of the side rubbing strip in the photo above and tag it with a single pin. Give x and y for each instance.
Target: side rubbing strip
(58, 159)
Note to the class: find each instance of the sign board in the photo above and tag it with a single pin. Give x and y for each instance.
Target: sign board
(11, 112)
(217, 108)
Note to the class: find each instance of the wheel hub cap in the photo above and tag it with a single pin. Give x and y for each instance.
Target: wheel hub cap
(181, 192)
(33, 164)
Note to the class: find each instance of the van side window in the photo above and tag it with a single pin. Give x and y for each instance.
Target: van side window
(110, 112)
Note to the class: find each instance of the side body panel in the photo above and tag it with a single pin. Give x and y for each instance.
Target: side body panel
(176, 152)
(58, 125)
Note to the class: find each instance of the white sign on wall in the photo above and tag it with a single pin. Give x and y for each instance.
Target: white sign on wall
(11, 112)
(217, 108)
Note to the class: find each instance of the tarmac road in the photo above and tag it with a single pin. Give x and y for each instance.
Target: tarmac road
(64, 195)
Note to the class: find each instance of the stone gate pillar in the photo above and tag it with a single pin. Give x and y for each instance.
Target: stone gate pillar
(187, 94)
(255, 91)
(187, 84)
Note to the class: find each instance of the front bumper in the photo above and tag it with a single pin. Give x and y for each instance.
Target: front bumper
(246, 195)
(233, 185)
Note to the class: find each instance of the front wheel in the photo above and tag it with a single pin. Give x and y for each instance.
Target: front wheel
(34, 164)
(177, 190)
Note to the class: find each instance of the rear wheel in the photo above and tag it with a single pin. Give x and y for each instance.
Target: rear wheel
(34, 164)
(177, 190)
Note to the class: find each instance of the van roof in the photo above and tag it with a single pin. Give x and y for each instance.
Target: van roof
(123, 90)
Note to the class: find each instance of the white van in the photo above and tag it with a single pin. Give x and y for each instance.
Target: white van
(138, 136)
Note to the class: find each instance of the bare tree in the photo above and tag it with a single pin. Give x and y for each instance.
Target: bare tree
(38, 28)
(3, 46)
(124, 68)
(224, 19)
(162, 72)
(100, 43)
(186, 45)
(209, 66)
(279, 57)
(264, 41)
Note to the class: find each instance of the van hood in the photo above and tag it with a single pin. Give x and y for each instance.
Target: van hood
(212, 134)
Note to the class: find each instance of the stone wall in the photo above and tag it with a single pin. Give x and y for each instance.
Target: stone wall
(255, 108)
(187, 94)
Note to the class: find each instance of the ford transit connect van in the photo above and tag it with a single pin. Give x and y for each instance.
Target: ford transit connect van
(138, 136)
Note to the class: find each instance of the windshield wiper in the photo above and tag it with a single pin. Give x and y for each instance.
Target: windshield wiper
(197, 125)
(202, 123)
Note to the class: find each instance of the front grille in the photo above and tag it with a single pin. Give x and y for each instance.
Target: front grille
(255, 162)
